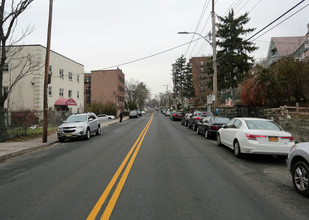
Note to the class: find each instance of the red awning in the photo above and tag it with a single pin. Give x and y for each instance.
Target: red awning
(63, 101)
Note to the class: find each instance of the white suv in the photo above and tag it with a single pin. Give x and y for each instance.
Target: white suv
(79, 125)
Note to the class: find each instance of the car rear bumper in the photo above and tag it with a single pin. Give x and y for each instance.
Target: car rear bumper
(266, 149)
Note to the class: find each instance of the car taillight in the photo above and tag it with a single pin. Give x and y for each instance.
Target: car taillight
(214, 127)
(253, 136)
(290, 138)
(198, 118)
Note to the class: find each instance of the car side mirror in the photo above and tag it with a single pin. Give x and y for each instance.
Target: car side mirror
(90, 119)
(224, 126)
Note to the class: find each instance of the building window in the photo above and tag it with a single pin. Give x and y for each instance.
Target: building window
(70, 76)
(50, 91)
(88, 89)
(88, 100)
(78, 94)
(61, 74)
(6, 68)
(88, 78)
(61, 92)
(50, 70)
(5, 90)
(77, 78)
(273, 52)
(70, 93)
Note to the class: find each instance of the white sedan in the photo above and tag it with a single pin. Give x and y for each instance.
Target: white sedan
(255, 136)
(105, 116)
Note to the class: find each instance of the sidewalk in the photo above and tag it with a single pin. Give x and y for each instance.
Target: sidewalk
(12, 149)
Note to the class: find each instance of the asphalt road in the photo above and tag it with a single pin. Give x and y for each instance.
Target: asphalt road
(147, 168)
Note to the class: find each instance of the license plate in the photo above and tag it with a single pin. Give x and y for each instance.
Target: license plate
(68, 135)
(273, 139)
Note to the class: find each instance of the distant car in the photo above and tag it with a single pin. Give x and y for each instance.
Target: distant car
(210, 125)
(177, 115)
(133, 114)
(255, 136)
(197, 116)
(298, 165)
(79, 126)
(185, 119)
(105, 116)
(167, 113)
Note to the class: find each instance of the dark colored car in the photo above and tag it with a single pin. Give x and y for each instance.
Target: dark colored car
(210, 125)
(133, 114)
(185, 119)
(176, 115)
(197, 116)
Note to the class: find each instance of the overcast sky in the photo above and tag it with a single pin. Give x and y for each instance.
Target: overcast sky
(101, 34)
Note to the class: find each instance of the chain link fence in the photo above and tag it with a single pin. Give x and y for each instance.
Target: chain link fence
(30, 123)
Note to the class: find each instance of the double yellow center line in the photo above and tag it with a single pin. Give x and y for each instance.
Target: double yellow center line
(111, 204)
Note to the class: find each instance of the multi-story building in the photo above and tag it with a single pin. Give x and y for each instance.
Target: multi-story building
(65, 91)
(200, 78)
(105, 85)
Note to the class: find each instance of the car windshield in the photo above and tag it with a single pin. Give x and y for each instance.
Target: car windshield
(76, 118)
(221, 120)
(202, 114)
(262, 125)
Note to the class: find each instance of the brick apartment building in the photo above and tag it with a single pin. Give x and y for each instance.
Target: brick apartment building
(200, 78)
(105, 85)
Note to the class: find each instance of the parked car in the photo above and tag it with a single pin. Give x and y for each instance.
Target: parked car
(185, 119)
(298, 165)
(79, 125)
(197, 116)
(177, 115)
(105, 116)
(209, 126)
(255, 136)
(167, 113)
(133, 114)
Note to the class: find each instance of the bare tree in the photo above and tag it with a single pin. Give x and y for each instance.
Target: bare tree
(9, 12)
(136, 93)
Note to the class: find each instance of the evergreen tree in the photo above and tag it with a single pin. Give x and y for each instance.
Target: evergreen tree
(182, 76)
(233, 59)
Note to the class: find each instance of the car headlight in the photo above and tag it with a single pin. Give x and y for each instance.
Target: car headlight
(60, 129)
(80, 127)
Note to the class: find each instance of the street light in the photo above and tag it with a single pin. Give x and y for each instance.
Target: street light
(214, 58)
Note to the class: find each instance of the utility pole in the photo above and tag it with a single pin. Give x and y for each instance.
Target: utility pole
(45, 104)
(215, 63)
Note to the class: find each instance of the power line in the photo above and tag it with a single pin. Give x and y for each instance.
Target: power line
(173, 48)
(156, 54)
(199, 22)
(275, 20)
(282, 22)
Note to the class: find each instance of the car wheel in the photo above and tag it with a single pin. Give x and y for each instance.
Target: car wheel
(206, 134)
(300, 175)
(198, 130)
(87, 137)
(219, 140)
(237, 151)
(99, 130)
